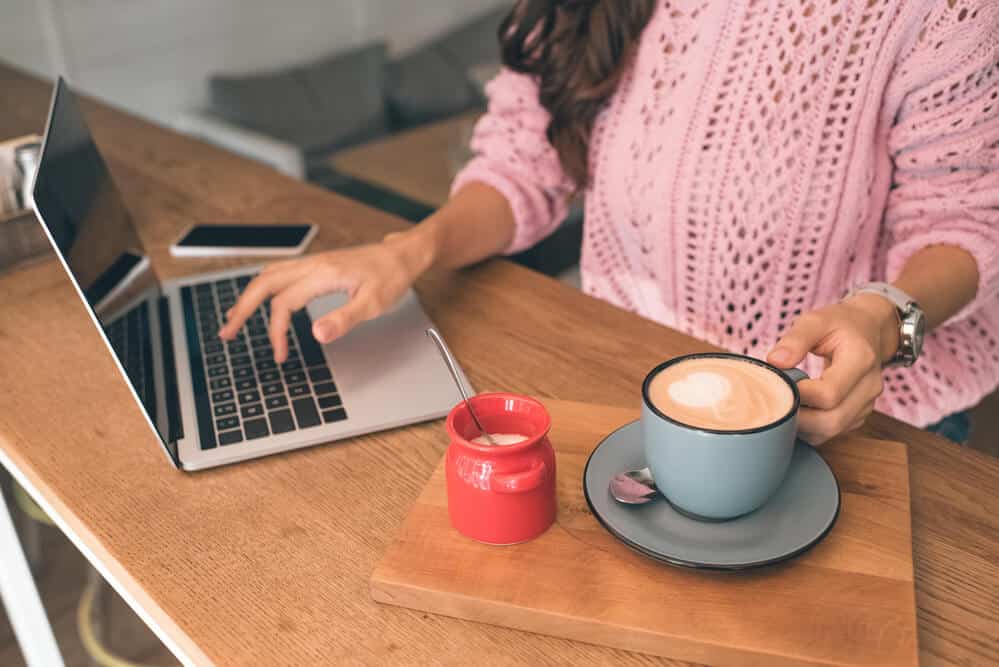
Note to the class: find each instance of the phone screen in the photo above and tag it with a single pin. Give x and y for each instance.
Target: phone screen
(244, 236)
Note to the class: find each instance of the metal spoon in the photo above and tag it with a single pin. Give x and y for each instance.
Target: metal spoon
(634, 487)
(451, 366)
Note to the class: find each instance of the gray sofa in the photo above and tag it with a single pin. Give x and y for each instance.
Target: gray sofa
(294, 118)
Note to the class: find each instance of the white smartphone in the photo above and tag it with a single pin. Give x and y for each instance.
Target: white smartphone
(243, 240)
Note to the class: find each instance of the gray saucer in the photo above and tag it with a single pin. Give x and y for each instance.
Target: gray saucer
(796, 518)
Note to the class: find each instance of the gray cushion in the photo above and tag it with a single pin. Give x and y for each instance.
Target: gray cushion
(335, 102)
(433, 82)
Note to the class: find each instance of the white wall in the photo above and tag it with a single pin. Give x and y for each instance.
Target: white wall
(154, 56)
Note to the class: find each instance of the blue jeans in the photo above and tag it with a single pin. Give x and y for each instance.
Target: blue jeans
(956, 427)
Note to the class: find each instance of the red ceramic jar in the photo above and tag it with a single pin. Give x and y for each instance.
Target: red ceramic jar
(501, 494)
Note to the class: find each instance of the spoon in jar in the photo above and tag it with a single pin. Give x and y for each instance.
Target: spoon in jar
(634, 487)
(453, 368)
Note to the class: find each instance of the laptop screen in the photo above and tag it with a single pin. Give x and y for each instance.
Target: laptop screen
(92, 232)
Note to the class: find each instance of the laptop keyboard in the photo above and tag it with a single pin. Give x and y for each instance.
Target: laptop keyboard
(240, 393)
(129, 336)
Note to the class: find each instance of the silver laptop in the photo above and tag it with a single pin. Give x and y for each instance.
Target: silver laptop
(212, 402)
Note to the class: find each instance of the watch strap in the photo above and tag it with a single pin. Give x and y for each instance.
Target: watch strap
(901, 300)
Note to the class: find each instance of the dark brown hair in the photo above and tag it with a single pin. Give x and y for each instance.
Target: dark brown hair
(576, 49)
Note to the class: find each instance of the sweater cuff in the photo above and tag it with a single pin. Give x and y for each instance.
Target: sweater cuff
(527, 231)
(979, 246)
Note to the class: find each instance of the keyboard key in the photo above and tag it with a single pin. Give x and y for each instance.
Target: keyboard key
(258, 330)
(203, 288)
(254, 410)
(218, 371)
(246, 384)
(266, 364)
(278, 401)
(281, 421)
(295, 377)
(319, 374)
(220, 383)
(325, 388)
(327, 402)
(243, 281)
(311, 350)
(226, 423)
(255, 428)
(298, 390)
(243, 372)
(263, 353)
(214, 359)
(305, 412)
(236, 347)
(230, 437)
(291, 365)
(220, 396)
(334, 415)
(242, 360)
(273, 388)
(223, 409)
(269, 376)
(249, 397)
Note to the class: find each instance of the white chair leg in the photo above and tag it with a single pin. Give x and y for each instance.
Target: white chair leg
(20, 598)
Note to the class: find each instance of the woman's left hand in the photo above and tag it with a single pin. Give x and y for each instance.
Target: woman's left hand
(855, 337)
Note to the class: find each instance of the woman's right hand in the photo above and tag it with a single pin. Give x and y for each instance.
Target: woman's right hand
(374, 276)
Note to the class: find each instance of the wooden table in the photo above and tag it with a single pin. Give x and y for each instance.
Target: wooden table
(418, 163)
(268, 562)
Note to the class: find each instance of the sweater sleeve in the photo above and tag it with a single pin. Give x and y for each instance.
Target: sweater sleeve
(945, 143)
(513, 155)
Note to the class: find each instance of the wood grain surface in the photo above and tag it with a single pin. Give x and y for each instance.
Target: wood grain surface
(268, 562)
(847, 601)
(417, 163)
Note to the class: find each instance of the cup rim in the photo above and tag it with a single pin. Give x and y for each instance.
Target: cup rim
(494, 449)
(795, 404)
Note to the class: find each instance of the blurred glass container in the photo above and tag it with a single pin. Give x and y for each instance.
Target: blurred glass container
(21, 237)
(26, 160)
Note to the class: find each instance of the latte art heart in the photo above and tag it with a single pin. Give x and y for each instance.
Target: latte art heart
(720, 393)
(700, 389)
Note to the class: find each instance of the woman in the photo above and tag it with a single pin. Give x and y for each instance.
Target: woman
(745, 164)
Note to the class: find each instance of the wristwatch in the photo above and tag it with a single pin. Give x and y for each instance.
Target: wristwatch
(911, 321)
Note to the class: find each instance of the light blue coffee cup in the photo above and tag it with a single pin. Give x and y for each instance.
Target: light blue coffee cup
(718, 475)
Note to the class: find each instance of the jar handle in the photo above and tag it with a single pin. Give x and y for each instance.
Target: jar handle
(520, 482)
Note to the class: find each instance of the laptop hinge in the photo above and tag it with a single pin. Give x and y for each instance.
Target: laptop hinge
(175, 424)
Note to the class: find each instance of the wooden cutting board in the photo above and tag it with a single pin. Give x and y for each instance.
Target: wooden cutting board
(848, 601)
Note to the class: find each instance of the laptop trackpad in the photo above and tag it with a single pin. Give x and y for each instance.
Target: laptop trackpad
(387, 370)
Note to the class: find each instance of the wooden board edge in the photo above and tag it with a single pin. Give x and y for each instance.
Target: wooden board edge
(456, 605)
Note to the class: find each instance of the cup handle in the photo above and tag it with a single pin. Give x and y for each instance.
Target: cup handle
(796, 375)
(520, 482)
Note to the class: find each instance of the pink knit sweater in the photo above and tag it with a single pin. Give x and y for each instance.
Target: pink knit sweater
(760, 157)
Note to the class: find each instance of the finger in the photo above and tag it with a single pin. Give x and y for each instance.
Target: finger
(803, 336)
(849, 364)
(286, 302)
(335, 324)
(256, 292)
(817, 426)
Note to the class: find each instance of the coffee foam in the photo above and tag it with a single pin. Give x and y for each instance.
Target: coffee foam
(721, 394)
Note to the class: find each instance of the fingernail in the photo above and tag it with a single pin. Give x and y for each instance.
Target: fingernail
(320, 332)
(780, 356)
